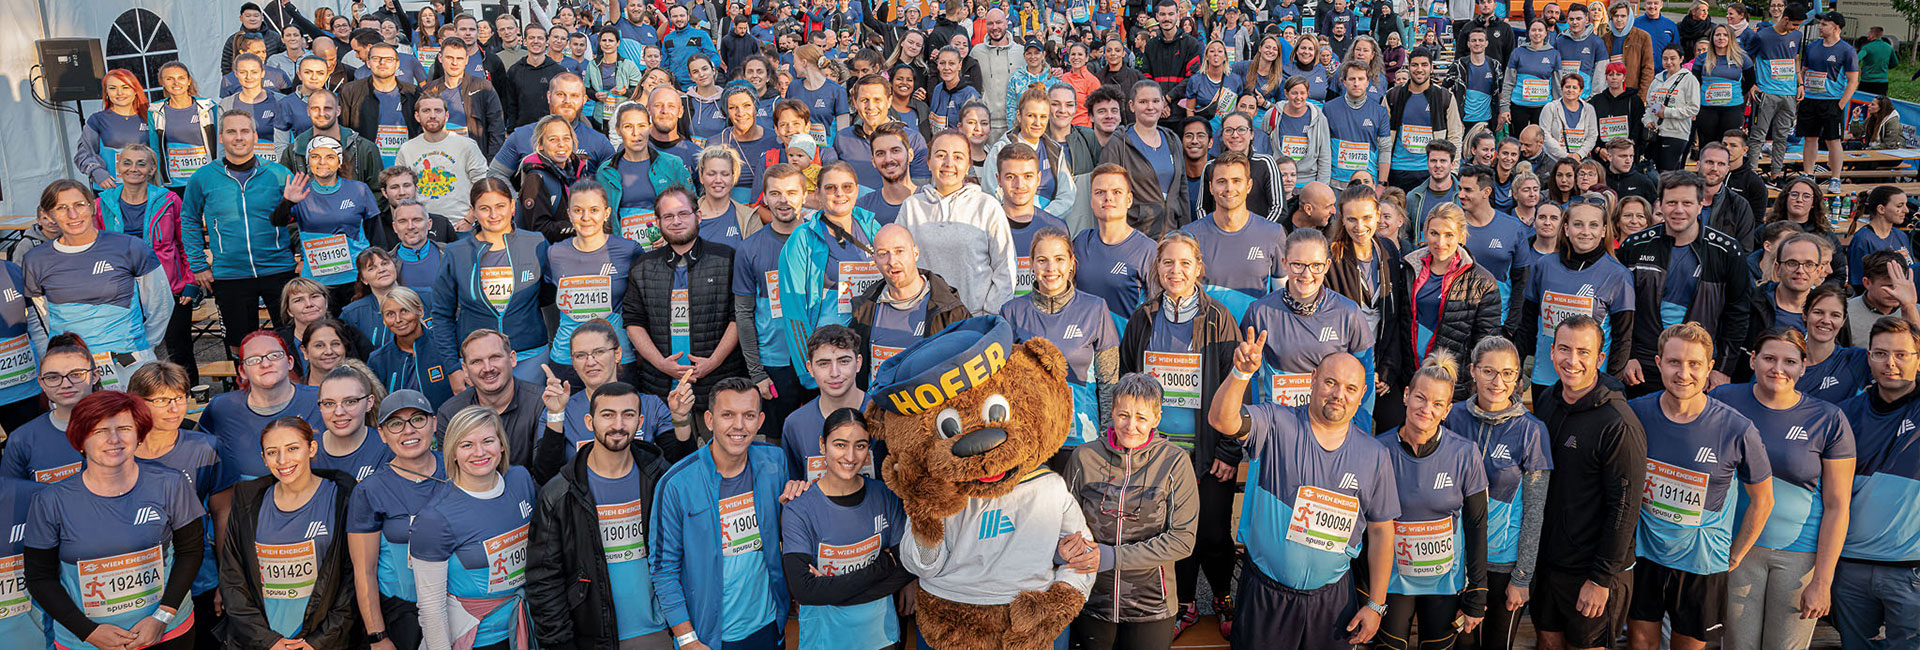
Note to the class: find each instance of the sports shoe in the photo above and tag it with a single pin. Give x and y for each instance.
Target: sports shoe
(1189, 615)
(1223, 607)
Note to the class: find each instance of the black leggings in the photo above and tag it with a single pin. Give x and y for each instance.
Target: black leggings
(1523, 117)
(403, 621)
(1713, 122)
(1501, 626)
(1673, 154)
(179, 342)
(1435, 614)
(1090, 633)
(204, 621)
(239, 301)
(1213, 551)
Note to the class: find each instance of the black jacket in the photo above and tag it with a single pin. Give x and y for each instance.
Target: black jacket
(1389, 298)
(943, 308)
(331, 618)
(1593, 496)
(709, 300)
(545, 187)
(1263, 192)
(1500, 37)
(1721, 299)
(1215, 335)
(360, 108)
(1156, 210)
(1634, 183)
(486, 121)
(1750, 186)
(1628, 104)
(523, 93)
(569, 595)
(1170, 62)
(1735, 217)
(1469, 311)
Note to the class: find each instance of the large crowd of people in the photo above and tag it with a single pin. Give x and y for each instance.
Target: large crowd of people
(553, 327)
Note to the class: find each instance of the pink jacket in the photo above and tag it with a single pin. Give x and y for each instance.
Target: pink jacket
(161, 229)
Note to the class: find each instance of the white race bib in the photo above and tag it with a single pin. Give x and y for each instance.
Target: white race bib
(1814, 81)
(641, 226)
(1783, 69)
(1720, 92)
(623, 531)
(1534, 91)
(13, 586)
(773, 292)
(327, 255)
(185, 159)
(1415, 138)
(842, 560)
(586, 297)
(56, 474)
(1291, 388)
(882, 353)
(122, 583)
(16, 361)
(390, 137)
(1352, 155)
(1556, 307)
(1423, 548)
(1674, 494)
(1613, 127)
(739, 525)
(1323, 519)
(507, 560)
(855, 278)
(1022, 276)
(496, 283)
(1294, 146)
(679, 314)
(287, 571)
(1179, 375)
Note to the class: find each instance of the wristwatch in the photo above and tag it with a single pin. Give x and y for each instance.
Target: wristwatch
(376, 637)
(1378, 608)
(165, 617)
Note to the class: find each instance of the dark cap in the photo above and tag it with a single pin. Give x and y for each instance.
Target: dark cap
(1835, 18)
(404, 399)
(1035, 44)
(248, 5)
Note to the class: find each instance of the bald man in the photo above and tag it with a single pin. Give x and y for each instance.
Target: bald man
(1314, 208)
(565, 95)
(1319, 478)
(909, 304)
(1533, 149)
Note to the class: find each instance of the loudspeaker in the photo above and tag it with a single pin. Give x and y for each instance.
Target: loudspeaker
(73, 68)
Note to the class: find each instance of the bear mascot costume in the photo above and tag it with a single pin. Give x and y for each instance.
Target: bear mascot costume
(969, 420)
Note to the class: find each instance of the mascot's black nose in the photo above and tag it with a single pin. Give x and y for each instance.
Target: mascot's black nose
(978, 442)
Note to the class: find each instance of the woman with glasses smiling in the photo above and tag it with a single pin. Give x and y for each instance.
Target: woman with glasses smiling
(408, 361)
(105, 286)
(267, 392)
(1518, 462)
(347, 397)
(380, 521)
(38, 451)
(177, 443)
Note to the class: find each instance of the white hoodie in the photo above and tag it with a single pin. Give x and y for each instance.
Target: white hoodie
(965, 239)
(994, 549)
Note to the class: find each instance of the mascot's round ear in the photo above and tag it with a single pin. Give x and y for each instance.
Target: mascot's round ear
(1048, 356)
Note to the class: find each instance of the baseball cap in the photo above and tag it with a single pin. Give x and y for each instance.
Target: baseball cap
(1034, 44)
(1835, 18)
(404, 399)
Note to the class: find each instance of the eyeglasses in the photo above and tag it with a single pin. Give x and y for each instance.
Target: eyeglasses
(263, 358)
(1803, 196)
(75, 377)
(585, 354)
(165, 401)
(1237, 129)
(1506, 376)
(1795, 265)
(1303, 267)
(1588, 199)
(1883, 355)
(397, 425)
(330, 404)
(681, 214)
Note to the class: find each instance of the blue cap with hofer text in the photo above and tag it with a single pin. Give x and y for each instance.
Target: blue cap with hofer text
(935, 369)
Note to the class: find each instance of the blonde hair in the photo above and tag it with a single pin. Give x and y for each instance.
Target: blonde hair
(1448, 211)
(1441, 366)
(404, 298)
(1174, 238)
(1689, 331)
(468, 421)
(355, 369)
(300, 287)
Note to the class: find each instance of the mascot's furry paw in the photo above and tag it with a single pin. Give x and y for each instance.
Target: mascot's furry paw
(1031, 622)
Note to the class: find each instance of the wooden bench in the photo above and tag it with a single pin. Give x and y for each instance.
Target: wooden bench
(223, 371)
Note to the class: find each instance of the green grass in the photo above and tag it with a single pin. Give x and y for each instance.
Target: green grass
(1899, 85)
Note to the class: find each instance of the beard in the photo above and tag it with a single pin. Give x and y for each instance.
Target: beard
(608, 441)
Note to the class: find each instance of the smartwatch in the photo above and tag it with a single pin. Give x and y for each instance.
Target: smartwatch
(376, 637)
(165, 617)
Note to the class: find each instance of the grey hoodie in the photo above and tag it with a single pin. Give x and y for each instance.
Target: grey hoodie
(1143, 507)
(965, 239)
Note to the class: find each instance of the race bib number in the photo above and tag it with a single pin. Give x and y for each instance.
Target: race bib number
(680, 315)
(1294, 146)
(185, 159)
(1352, 155)
(1675, 495)
(1613, 127)
(623, 532)
(586, 297)
(739, 525)
(122, 583)
(1291, 388)
(13, 586)
(390, 137)
(855, 278)
(1423, 549)
(1179, 375)
(56, 474)
(842, 560)
(264, 149)
(1077, 13)
(496, 283)
(16, 361)
(1569, 136)
(427, 56)
(1617, 58)
(1719, 93)
(773, 292)
(818, 131)
(1783, 69)
(642, 226)
(1415, 138)
(287, 571)
(1556, 307)
(1323, 519)
(1534, 91)
(1022, 276)
(1569, 67)
(1814, 81)
(880, 353)
(507, 560)
(938, 121)
(327, 255)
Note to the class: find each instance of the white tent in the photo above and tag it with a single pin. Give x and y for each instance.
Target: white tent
(36, 144)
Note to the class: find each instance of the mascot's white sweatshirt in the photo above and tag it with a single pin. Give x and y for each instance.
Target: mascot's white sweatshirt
(996, 548)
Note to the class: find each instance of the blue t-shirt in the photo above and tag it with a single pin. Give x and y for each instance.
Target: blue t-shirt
(1509, 449)
(288, 547)
(1481, 87)
(589, 285)
(1162, 157)
(1245, 262)
(1080, 329)
(622, 517)
(386, 503)
(115, 552)
(1353, 134)
(943, 106)
(825, 104)
(706, 118)
(94, 292)
(1798, 439)
(330, 235)
(419, 269)
(1023, 247)
(1500, 246)
(359, 463)
(1297, 344)
(116, 131)
(1867, 242)
(1116, 273)
(1409, 147)
(1581, 56)
(1683, 272)
(1173, 361)
(883, 211)
(20, 619)
(842, 540)
(1842, 375)
(186, 143)
(193, 454)
(1685, 523)
(894, 329)
(1533, 75)
(1601, 290)
(1884, 526)
(723, 229)
(1825, 73)
(1307, 507)
(38, 451)
(746, 603)
(800, 439)
(390, 127)
(237, 426)
(756, 273)
(1720, 80)
(1427, 303)
(1431, 532)
(484, 543)
(1776, 60)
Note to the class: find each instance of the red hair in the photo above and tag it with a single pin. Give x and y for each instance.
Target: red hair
(96, 408)
(125, 76)
(239, 364)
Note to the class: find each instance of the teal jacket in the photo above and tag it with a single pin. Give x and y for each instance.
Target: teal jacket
(234, 222)
(666, 171)
(808, 300)
(686, 564)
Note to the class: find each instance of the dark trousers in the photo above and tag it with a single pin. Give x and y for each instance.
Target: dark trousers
(337, 298)
(767, 638)
(204, 621)
(1497, 631)
(179, 342)
(1714, 122)
(1407, 179)
(1090, 633)
(403, 621)
(788, 396)
(1673, 154)
(239, 303)
(1213, 551)
(1523, 117)
(1273, 616)
(1874, 87)
(18, 414)
(1433, 613)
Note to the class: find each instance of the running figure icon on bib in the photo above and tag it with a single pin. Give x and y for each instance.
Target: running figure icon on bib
(1423, 548)
(507, 559)
(1323, 519)
(739, 525)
